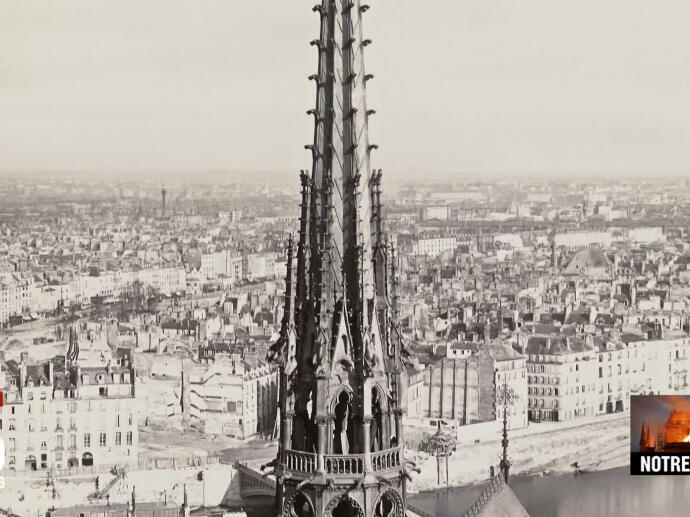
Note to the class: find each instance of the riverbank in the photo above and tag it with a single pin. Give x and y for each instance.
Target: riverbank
(597, 494)
(25, 495)
(597, 444)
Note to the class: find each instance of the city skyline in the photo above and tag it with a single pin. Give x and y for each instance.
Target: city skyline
(334, 259)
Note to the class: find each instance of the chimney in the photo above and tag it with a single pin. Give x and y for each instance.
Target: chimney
(22, 372)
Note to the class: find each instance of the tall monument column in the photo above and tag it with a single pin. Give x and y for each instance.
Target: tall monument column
(164, 192)
(340, 352)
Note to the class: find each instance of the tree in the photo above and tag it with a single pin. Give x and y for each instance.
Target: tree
(442, 445)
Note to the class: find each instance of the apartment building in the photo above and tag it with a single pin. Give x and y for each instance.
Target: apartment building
(16, 295)
(510, 369)
(434, 247)
(639, 364)
(58, 416)
(233, 396)
(561, 377)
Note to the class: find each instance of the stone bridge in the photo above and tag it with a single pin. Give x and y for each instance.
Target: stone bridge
(253, 483)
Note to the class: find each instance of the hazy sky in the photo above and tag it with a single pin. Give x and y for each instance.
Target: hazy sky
(461, 85)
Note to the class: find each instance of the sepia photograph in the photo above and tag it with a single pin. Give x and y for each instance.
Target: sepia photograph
(344, 258)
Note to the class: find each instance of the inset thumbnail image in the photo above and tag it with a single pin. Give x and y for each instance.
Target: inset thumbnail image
(660, 423)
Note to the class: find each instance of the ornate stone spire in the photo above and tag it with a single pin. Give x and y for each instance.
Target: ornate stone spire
(341, 402)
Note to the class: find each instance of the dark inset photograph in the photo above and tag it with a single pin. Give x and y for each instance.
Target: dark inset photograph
(660, 423)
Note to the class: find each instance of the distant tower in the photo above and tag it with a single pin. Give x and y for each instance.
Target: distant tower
(342, 399)
(163, 194)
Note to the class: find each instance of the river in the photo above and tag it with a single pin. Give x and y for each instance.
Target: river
(608, 493)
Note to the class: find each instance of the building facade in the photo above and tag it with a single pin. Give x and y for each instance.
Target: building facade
(561, 378)
(58, 416)
(233, 397)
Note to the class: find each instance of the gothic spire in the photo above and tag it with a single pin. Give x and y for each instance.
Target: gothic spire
(340, 220)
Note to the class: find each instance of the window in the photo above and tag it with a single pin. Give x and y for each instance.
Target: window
(118, 438)
(87, 439)
(129, 437)
(102, 439)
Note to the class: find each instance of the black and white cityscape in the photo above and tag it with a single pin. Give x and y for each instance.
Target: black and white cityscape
(336, 260)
